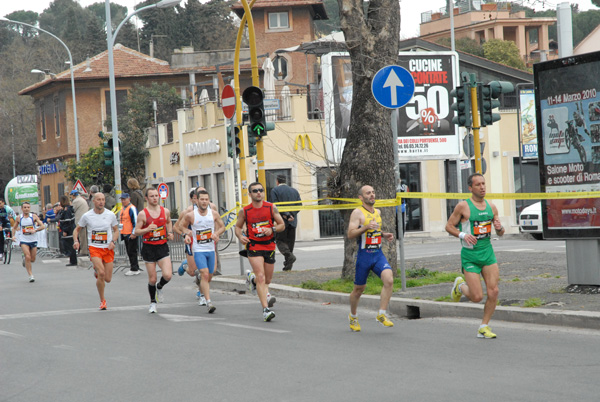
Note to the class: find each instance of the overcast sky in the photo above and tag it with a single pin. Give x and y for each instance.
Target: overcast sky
(410, 9)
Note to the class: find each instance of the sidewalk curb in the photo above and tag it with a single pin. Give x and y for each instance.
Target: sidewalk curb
(414, 308)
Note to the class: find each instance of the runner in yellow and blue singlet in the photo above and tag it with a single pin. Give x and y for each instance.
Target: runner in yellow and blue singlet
(365, 226)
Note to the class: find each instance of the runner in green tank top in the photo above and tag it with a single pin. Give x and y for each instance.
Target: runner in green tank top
(476, 217)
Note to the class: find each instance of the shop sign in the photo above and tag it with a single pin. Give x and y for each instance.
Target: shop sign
(201, 148)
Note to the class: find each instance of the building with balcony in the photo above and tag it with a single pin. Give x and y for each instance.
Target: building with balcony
(484, 21)
(54, 108)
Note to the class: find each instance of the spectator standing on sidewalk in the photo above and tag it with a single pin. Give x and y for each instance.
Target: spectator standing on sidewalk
(66, 219)
(286, 239)
(93, 190)
(476, 217)
(49, 214)
(110, 200)
(127, 221)
(80, 207)
(137, 197)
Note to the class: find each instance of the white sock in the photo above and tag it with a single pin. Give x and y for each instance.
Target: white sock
(483, 326)
(353, 315)
(381, 312)
(208, 300)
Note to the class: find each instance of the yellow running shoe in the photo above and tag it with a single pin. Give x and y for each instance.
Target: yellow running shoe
(354, 325)
(486, 333)
(384, 320)
(456, 293)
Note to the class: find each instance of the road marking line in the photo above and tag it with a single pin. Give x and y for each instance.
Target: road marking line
(54, 313)
(277, 331)
(187, 318)
(10, 334)
(50, 261)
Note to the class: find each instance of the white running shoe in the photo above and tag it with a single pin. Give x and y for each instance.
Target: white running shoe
(31, 279)
(268, 315)
(202, 301)
(271, 300)
(251, 281)
(211, 308)
(160, 296)
(152, 308)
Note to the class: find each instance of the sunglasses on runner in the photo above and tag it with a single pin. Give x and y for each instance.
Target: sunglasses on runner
(258, 190)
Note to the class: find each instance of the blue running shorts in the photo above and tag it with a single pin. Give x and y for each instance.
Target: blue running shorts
(205, 260)
(369, 261)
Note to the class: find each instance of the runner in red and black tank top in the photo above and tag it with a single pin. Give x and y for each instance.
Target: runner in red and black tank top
(257, 220)
(158, 235)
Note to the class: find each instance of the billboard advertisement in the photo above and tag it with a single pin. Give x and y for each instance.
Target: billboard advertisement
(425, 128)
(568, 115)
(529, 145)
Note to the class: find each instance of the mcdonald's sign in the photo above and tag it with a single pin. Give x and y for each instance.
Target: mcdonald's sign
(304, 140)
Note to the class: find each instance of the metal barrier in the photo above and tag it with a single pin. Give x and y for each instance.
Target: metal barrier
(176, 248)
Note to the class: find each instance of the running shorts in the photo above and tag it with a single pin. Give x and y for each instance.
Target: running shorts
(369, 261)
(104, 254)
(268, 255)
(475, 260)
(154, 252)
(205, 259)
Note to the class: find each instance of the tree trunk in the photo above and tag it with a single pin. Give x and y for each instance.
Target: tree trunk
(368, 159)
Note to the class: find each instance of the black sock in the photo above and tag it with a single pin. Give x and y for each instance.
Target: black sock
(162, 283)
(152, 290)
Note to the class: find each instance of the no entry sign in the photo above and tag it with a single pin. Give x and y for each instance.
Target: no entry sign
(228, 101)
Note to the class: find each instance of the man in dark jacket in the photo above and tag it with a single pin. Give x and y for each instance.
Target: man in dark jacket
(286, 239)
(66, 220)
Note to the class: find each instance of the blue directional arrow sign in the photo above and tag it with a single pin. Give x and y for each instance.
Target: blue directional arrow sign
(393, 86)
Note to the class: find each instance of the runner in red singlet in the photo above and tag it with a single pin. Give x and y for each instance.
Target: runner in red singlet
(155, 227)
(262, 220)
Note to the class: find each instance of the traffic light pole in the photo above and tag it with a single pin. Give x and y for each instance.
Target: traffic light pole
(476, 127)
(238, 101)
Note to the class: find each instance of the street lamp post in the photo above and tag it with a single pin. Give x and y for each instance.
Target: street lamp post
(110, 39)
(72, 78)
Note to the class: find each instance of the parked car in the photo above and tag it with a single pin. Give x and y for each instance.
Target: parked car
(530, 220)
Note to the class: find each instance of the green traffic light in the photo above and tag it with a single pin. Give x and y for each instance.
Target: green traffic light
(258, 129)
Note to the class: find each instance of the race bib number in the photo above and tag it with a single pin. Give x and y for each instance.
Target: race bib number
(372, 240)
(482, 229)
(99, 237)
(160, 233)
(259, 228)
(28, 230)
(203, 236)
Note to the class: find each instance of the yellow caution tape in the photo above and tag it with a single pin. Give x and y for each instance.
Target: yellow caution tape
(351, 203)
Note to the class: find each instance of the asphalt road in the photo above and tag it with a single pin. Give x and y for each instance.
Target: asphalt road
(56, 346)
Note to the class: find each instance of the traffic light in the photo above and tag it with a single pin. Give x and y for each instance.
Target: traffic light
(233, 132)
(108, 152)
(488, 100)
(462, 105)
(109, 159)
(252, 139)
(254, 97)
